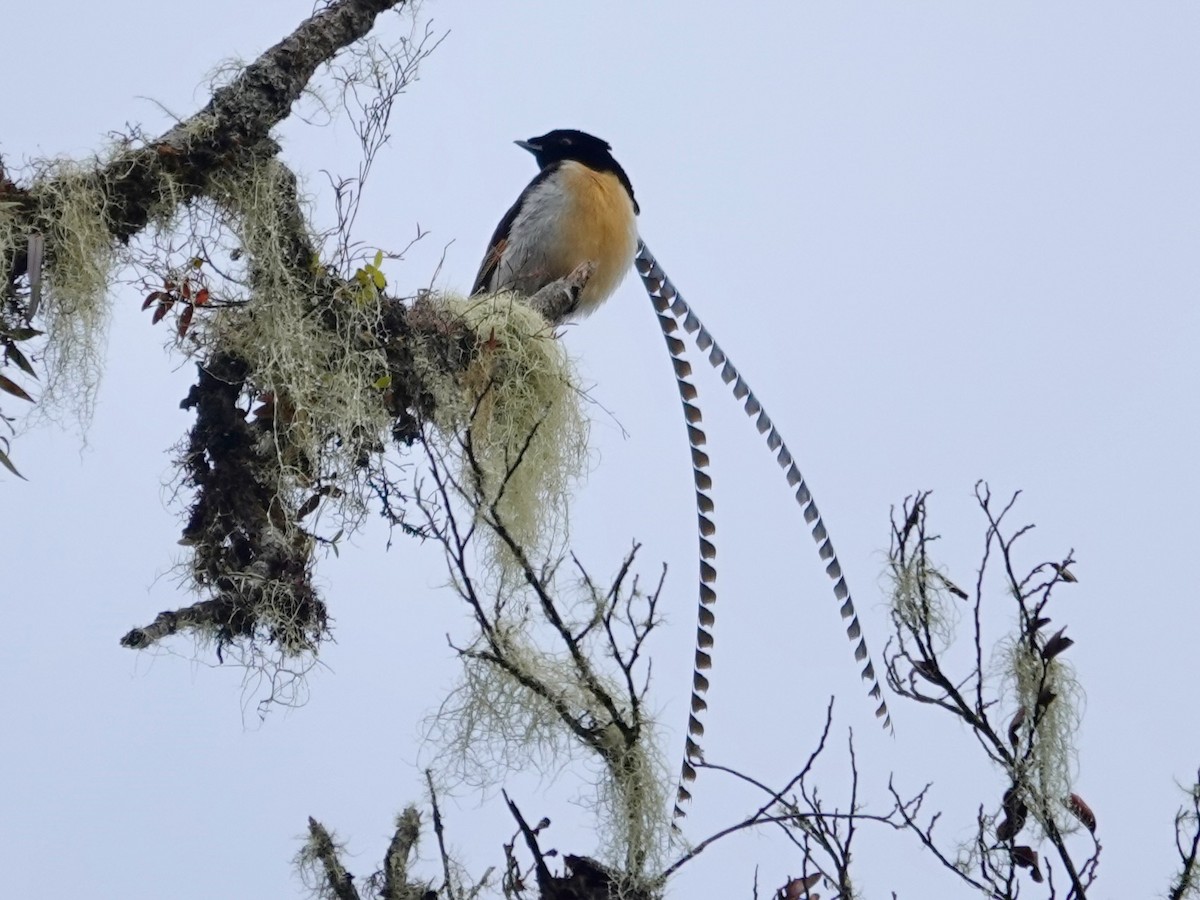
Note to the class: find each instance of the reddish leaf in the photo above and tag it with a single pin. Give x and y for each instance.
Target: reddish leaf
(308, 506)
(1045, 698)
(187, 290)
(1024, 855)
(1007, 829)
(266, 407)
(185, 319)
(928, 670)
(1056, 645)
(1015, 814)
(1027, 858)
(201, 297)
(161, 311)
(798, 888)
(1082, 812)
(150, 298)
(1014, 727)
(9, 386)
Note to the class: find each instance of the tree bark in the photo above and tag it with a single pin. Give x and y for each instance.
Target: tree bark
(239, 117)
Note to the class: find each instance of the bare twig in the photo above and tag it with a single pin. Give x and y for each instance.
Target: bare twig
(439, 831)
(1187, 843)
(915, 659)
(804, 819)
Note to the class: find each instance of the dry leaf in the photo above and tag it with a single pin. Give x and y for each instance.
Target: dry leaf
(1014, 727)
(1027, 858)
(1056, 645)
(11, 387)
(1082, 812)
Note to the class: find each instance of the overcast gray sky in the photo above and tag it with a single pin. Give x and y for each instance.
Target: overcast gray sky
(945, 241)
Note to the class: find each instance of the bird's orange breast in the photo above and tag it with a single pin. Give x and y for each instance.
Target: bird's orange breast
(600, 225)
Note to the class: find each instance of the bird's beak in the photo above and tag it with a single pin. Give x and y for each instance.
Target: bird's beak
(528, 145)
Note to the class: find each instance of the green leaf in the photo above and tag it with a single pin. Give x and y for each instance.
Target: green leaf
(382, 383)
(378, 259)
(10, 386)
(380, 281)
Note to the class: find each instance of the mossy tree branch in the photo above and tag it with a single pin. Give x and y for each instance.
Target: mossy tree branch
(553, 668)
(239, 116)
(243, 523)
(255, 476)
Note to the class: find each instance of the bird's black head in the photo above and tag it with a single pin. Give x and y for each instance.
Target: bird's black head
(568, 144)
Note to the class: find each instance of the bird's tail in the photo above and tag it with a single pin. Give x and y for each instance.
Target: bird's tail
(672, 310)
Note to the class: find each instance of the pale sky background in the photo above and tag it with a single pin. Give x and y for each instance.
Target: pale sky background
(945, 241)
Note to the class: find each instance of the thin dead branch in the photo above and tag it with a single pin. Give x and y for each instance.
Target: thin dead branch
(1034, 750)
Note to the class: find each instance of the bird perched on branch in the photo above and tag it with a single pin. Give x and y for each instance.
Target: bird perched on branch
(579, 209)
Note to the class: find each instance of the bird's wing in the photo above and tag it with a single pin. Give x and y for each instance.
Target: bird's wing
(499, 241)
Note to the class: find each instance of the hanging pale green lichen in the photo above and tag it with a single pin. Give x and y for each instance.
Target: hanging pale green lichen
(75, 308)
(515, 405)
(289, 336)
(920, 599)
(71, 210)
(632, 797)
(320, 358)
(12, 238)
(492, 724)
(71, 213)
(1049, 695)
(509, 417)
